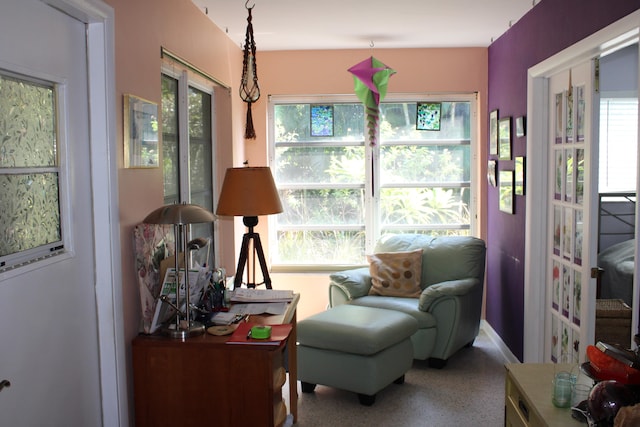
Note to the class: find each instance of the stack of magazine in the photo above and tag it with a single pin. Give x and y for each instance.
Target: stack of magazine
(198, 278)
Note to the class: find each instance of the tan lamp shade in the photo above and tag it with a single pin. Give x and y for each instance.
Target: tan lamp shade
(248, 191)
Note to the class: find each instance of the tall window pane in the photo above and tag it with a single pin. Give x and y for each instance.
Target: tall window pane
(187, 148)
(200, 160)
(321, 184)
(425, 175)
(170, 163)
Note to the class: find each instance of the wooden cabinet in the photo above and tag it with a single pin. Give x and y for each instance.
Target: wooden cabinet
(528, 397)
(204, 381)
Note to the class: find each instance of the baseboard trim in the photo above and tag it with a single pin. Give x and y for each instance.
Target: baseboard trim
(507, 355)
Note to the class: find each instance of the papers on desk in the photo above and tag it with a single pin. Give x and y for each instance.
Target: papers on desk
(239, 311)
(261, 295)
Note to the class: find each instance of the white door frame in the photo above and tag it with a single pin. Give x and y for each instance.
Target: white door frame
(620, 33)
(99, 19)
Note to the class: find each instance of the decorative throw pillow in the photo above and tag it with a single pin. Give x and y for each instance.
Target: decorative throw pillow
(396, 274)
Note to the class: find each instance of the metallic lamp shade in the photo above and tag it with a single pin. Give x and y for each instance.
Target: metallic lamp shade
(179, 214)
(248, 191)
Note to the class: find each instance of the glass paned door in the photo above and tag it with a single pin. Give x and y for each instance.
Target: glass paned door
(572, 146)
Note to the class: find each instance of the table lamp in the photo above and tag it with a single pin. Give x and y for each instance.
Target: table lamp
(181, 215)
(249, 192)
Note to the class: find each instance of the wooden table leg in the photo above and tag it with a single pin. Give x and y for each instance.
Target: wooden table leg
(293, 369)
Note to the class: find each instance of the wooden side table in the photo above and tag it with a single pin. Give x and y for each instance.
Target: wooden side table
(528, 397)
(202, 380)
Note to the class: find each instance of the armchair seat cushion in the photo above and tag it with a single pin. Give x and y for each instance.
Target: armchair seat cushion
(404, 305)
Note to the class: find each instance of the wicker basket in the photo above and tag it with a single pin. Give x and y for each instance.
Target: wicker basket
(613, 322)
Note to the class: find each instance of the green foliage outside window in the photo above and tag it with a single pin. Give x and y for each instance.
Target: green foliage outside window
(423, 184)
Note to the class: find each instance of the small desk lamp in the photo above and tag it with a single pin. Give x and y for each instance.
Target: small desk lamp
(181, 215)
(249, 192)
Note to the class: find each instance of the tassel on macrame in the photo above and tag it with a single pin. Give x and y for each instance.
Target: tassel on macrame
(249, 132)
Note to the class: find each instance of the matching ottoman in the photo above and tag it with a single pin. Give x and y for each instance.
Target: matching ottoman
(355, 348)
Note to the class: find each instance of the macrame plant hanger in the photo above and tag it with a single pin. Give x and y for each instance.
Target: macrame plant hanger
(249, 89)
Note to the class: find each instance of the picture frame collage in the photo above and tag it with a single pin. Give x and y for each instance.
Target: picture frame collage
(510, 178)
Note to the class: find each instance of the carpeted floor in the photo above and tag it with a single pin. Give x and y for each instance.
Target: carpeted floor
(469, 391)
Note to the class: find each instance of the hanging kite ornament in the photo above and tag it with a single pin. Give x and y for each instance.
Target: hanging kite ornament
(249, 89)
(371, 78)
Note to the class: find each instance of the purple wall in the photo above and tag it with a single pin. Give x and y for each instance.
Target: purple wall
(548, 28)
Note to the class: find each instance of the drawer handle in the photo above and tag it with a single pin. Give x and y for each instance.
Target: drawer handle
(4, 383)
(523, 409)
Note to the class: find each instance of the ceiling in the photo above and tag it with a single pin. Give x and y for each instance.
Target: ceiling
(358, 24)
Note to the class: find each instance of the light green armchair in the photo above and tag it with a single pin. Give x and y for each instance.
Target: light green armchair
(449, 308)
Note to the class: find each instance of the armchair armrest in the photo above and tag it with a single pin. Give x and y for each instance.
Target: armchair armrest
(349, 284)
(449, 288)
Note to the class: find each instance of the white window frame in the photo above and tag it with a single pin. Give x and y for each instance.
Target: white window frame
(370, 220)
(187, 78)
(42, 256)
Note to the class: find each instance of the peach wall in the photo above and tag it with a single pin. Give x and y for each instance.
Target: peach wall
(142, 27)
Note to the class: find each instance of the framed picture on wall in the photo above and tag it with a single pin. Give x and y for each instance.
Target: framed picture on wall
(141, 144)
(505, 184)
(519, 176)
(521, 123)
(491, 173)
(493, 133)
(504, 138)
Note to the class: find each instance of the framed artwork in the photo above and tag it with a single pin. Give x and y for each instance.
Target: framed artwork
(521, 125)
(493, 132)
(559, 118)
(504, 138)
(568, 175)
(580, 113)
(569, 132)
(321, 120)
(505, 183)
(519, 176)
(141, 145)
(428, 115)
(491, 173)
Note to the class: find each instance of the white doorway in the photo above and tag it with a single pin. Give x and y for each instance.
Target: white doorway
(539, 173)
(62, 343)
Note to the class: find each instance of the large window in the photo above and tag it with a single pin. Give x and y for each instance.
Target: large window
(187, 148)
(30, 223)
(340, 192)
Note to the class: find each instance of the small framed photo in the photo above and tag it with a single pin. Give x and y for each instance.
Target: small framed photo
(321, 120)
(428, 115)
(493, 132)
(519, 184)
(491, 173)
(505, 184)
(521, 126)
(504, 138)
(141, 144)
